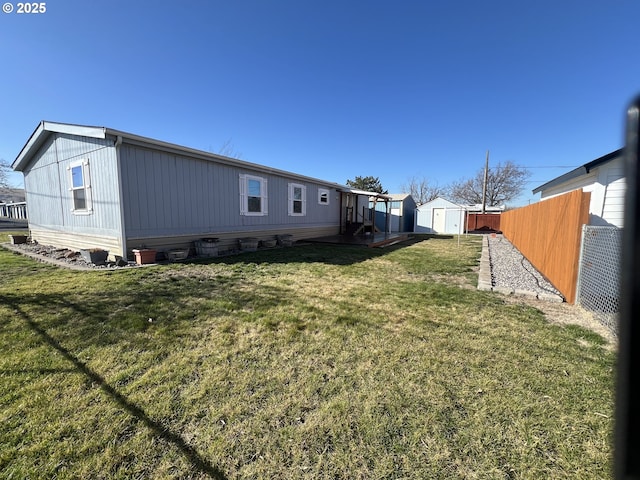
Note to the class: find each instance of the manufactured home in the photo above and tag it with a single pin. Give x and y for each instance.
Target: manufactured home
(96, 187)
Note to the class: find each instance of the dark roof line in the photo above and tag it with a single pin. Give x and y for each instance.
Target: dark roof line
(581, 170)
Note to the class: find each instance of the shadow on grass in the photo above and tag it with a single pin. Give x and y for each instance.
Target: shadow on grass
(311, 253)
(198, 462)
(434, 236)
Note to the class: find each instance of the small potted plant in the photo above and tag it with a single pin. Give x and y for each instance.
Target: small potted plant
(248, 244)
(207, 247)
(97, 256)
(269, 243)
(144, 255)
(177, 254)
(285, 240)
(17, 239)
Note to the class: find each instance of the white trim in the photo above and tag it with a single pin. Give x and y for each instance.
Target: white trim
(326, 192)
(42, 131)
(81, 130)
(86, 186)
(244, 196)
(123, 233)
(292, 200)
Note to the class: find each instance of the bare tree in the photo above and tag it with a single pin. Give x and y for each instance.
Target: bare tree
(504, 183)
(422, 190)
(228, 149)
(5, 168)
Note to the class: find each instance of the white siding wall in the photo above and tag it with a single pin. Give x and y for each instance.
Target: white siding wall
(607, 186)
(613, 204)
(587, 182)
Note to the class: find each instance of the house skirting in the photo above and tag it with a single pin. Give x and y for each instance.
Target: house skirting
(75, 241)
(227, 240)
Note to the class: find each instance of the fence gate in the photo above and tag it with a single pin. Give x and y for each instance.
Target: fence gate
(599, 274)
(483, 221)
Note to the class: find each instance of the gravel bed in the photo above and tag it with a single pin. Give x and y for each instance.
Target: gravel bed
(511, 270)
(63, 257)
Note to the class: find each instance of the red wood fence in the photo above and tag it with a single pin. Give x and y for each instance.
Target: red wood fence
(483, 221)
(548, 234)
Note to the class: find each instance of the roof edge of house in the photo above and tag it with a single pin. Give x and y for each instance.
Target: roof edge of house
(45, 128)
(42, 132)
(581, 170)
(133, 139)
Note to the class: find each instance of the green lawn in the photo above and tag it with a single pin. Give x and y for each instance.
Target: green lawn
(307, 362)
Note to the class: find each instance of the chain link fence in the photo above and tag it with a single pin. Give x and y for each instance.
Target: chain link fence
(599, 274)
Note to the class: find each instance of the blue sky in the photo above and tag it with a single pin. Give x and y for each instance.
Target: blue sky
(334, 88)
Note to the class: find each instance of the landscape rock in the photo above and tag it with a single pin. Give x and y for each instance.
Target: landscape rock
(511, 272)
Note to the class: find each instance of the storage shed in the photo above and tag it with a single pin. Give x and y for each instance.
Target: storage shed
(402, 210)
(96, 187)
(440, 216)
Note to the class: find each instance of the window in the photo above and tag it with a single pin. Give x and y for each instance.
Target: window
(323, 196)
(253, 195)
(297, 199)
(80, 187)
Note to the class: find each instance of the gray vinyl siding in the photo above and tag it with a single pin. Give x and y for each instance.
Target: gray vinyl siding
(402, 221)
(408, 214)
(47, 183)
(166, 194)
(42, 188)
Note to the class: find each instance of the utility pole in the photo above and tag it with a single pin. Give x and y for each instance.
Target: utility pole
(484, 183)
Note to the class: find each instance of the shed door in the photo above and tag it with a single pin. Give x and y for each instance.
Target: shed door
(438, 220)
(395, 219)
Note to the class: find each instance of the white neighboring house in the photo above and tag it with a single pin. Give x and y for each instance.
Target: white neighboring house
(440, 216)
(604, 177)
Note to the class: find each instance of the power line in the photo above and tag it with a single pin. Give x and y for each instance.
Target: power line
(531, 168)
(553, 166)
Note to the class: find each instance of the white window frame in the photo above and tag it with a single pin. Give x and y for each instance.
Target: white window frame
(326, 193)
(244, 196)
(292, 200)
(86, 187)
